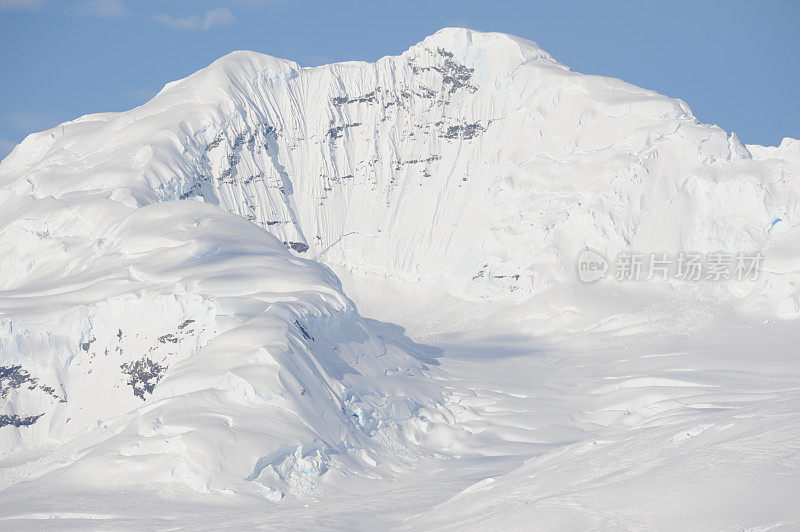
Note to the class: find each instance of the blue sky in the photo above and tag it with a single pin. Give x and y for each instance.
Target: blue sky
(736, 63)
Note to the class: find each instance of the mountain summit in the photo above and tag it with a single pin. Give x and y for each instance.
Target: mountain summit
(469, 152)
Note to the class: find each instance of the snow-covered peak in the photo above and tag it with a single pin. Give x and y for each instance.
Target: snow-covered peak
(466, 42)
(237, 70)
(231, 72)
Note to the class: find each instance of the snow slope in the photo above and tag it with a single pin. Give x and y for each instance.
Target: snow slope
(183, 345)
(172, 340)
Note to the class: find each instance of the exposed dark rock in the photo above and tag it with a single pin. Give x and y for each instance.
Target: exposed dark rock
(16, 421)
(455, 75)
(225, 175)
(370, 97)
(464, 131)
(299, 247)
(214, 143)
(87, 345)
(143, 374)
(238, 142)
(195, 188)
(480, 273)
(168, 338)
(303, 331)
(12, 377)
(417, 161)
(336, 131)
(253, 178)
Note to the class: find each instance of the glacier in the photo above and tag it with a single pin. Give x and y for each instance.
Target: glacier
(346, 296)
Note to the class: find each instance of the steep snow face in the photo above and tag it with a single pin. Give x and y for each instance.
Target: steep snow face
(472, 158)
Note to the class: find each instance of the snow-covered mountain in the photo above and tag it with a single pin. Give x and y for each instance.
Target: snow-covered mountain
(168, 316)
(470, 155)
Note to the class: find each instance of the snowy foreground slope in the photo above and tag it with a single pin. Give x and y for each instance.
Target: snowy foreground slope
(175, 351)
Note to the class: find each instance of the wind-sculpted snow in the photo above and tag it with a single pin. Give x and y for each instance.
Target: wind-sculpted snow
(184, 344)
(170, 330)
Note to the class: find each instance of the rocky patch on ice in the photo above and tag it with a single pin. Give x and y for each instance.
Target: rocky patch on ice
(13, 420)
(143, 375)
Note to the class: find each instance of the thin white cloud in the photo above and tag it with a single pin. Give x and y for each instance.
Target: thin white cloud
(103, 8)
(216, 17)
(21, 4)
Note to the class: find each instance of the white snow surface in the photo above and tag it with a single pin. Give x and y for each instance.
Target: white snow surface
(177, 351)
